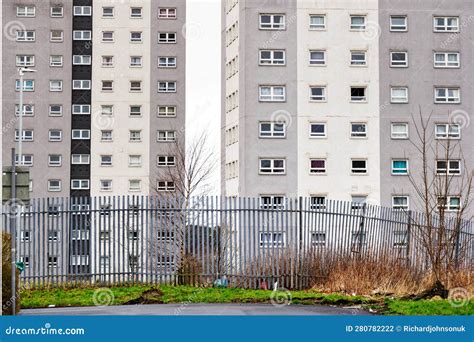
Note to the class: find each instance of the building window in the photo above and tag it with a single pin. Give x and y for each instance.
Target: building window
(358, 130)
(358, 201)
(166, 186)
(272, 240)
(447, 131)
(25, 36)
(79, 184)
(318, 202)
(318, 239)
(167, 86)
(449, 167)
(56, 12)
(107, 12)
(107, 61)
(52, 261)
(399, 130)
(107, 85)
(28, 85)
(106, 136)
(105, 185)
(135, 12)
(398, 23)
(449, 203)
(25, 60)
(134, 185)
(399, 167)
(317, 94)
(446, 24)
(134, 160)
(359, 166)
(55, 110)
(358, 94)
(81, 134)
(55, 85)
(81, 60)
(135, 110)
(166, 13)
(84, 11)
(272, 57)
(317, 57)
(78, 109)
(54, 185)
(447, 95)
(272, 166)
(398, 59)
(105, 160)
(135, 37)
(399, 95)
(165, 111)
(54, 160)
(317, 130)
(446, 60)
(166, 136)
(81, 35)
(272, 129)
(135, 136)
(272, 201)
(56, 61)
(27, 135)
(28, 110)
(107, 110)
(272, 93)
(358, 22)
(167, 37)
(25, 11)
(317, 22)
(358, 58)
(135, 61)
(166, 161)
(26, 160)
(56, 36)
(317, 166)
(135, 86)
(400, 202)
(55, 135)
(166, 62)
(272, 21)
(80, 159)
(81, 84)
(107, 36)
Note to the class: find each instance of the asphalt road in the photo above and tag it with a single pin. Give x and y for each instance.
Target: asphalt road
(199, 310)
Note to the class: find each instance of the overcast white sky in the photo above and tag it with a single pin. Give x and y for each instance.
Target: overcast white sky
(203, 63)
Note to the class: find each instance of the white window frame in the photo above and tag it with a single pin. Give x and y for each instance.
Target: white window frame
(25, 36)
(272, 96)
(404, 207)
(167, 161)
(446, 64)
(138, 39)
(359, 134)
(82, 60)
(273, 132)
(52, 135)
(83, 134)
(273, 242)
(134, 15)
(80, 159)
(398, 99)
(82, 35)
(134, 160)
(25, 85)
(137, 185)
(272, 201)
(136, 86)
(169, 136)
(449, 132)
(398, 64)
(358, 27)
(104, 86)
(59, 14)
(133, 113)
(358, 170)
(52, 112)
(56, 61)
(80, 184)
(166, 38)
(81, 84)
(82, 11)
(449, 170)
(108, 36)
(107, 135)
(318, 98)
(317, 62)
(25, 60)
(448, 206)
(28, 110)
(396, 171)
(106, 63)
(167, 111)
(165, 186)
(447, 98)
(399, 136)
(136, 61)
(52, 188)
(445, 27)
(272, 169)
(167, 86)
(396, 27)
(105, 185)
(26, 136)
(26, 160)
(53, 88)
(359, 99)
(271, 61)
(81, 109)
(317, 27)
(106, 160)
(59, 39)
(25, 11)
(356, 62)
(272, 25)
(317, 170)
(135, 135)
(57, 163)
(107, 15)
(168, 13)
(164, 62)
(313, 135)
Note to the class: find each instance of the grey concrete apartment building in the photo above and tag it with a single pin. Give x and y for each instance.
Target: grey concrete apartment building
(318, 96)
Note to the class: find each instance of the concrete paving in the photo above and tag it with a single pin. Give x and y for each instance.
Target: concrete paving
(199, 310)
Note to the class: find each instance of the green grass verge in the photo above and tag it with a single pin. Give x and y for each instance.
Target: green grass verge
(84, 296)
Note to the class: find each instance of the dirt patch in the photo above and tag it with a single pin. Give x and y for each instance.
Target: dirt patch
(152, 296)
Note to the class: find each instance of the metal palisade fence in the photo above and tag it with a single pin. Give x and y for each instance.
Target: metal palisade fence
(241, 242)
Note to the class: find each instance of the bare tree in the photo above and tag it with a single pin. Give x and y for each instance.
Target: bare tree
(443, 187)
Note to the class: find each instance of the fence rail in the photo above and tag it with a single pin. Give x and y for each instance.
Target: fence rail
(241, 241)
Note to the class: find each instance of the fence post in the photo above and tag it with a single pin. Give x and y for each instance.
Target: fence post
(13, 211)
(456, 251)
(361, 228)
(408, 238)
